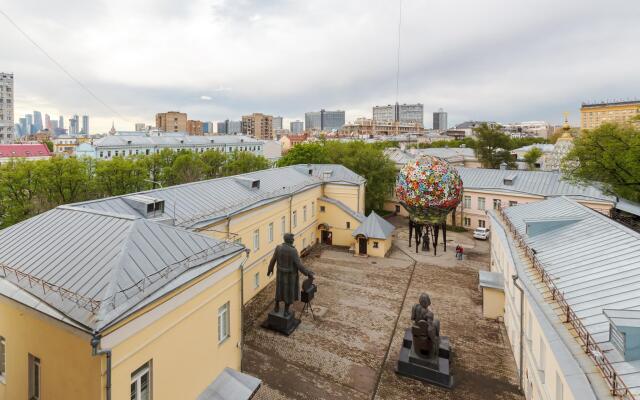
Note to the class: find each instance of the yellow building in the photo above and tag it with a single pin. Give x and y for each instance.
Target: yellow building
(171, 121)
(142, 294)
(259, 126)
(593, 115)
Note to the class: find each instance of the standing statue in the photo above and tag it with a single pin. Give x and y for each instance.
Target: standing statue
(287, 282)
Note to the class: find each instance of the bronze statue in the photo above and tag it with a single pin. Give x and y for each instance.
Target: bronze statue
(426, 329)
(287, 282)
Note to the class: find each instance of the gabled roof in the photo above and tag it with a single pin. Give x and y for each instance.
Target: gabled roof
(24, 150)
(375, 227)
(94, 267)
(358, 216)
(173, 140)
(201, 203)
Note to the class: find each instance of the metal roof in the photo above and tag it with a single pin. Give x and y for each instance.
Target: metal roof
(375, 227)
(593, 261)
(94, 267)
(199, 204)
(231, 385)
(358, 216)
(494, 280)
(628, 206)
(173, 141)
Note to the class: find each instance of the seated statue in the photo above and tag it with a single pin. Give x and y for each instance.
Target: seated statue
(426, 329)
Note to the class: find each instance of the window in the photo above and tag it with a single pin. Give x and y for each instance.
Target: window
(271, 232)
(256, 239)
(322, 209)
(304, 243)
(397, 208)
(497, 203)
(313, 208)
(295, 219)
(2, 359)
(348, 225)
(467, 221)
(375, 245)
(480, 203)
(141, 383)
(481, 223)
(256, 280)
(559, 387)
(283, 225)
(223, 322)
(513, 203)
(34, 377)
(304, 214)
(542, 359)
(466, 201)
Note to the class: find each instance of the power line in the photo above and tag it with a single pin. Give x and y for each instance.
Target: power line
(73, 78)
(398, 60)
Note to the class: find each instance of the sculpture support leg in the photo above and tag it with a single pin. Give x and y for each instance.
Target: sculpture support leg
(444, 236)
(436, 229)
(410, 230)
(277, 307)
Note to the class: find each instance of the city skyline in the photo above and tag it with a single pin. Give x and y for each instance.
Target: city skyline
(476, 72)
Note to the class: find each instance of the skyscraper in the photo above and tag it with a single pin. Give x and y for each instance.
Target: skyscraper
(6, 108)
(140, 127)
(234, 127)
(23, 126)
(37, 122)
(207, 128)
(324, 120)
(85, 124)
(440, 120)
(61, 122)
(296, 126)
(47, 122)
(405, 113)
(74, 125)
(277, 123)
(29, 126)
(222, 127)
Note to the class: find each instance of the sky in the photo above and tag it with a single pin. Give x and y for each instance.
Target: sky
(500, 60)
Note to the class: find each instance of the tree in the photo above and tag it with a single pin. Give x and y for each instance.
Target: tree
(120, 176)
(241, 162)
(213, 163)
(609, 154)
(63, 180)
(306, 153)
(492, 147)
(187, 167)
(18, 192)
(531, 157)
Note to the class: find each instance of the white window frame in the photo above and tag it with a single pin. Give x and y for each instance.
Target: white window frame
(283, 224)
(270, 232)
(223, 323)
(35, 378)
(483, 201)
(294, 221)
(136, 379)
(481, 223)
(256, 240)
(466, 221)
(466, 201)
(256, 280)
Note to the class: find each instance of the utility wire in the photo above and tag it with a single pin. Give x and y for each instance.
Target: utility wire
(398, 60)
(73, 78)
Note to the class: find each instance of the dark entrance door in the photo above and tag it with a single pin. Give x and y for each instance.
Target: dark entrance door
(362, 245)
(326, 237)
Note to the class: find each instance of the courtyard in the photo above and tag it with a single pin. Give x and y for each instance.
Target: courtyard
(362, 308)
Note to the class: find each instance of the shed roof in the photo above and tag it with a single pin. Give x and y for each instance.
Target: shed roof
(358, 216)
(231, 385)
(375, 227)
(490, 279)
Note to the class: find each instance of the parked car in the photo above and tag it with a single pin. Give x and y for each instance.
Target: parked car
(481, 233)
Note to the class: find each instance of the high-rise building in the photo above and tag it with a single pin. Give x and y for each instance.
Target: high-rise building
(222, 127)
(234, 127)
(54, 125)
(296, 126)
(207, 128)
(440, 120)
(37, 121)
(257, 125)
(47, 122)
(22, 122)
(6, 108)
(85, 124)
(61, 122)
(405, 113)
(29, 126)
(592, 115)
(171, 121)
(74, 125)
(324, 120)
(277, 123)
(194, 127)
(140, 127)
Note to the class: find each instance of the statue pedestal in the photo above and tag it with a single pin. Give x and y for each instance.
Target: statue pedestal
(433, 370)
(278, 322)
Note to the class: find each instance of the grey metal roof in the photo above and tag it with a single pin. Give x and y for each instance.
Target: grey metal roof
(490, 279)
(198, 204)
(172, 141)
(231, 385)
(94, 267)
(628, 206)
(358, 216)
(593, 260)
(451, 154)
(374, 226)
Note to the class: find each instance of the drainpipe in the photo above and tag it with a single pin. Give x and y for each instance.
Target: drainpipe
(521, 369)
(95, 342)
(247, 251)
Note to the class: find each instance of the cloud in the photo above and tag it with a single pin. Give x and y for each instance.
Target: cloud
(496, 59)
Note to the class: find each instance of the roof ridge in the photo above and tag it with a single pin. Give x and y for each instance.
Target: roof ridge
(71, 207)
(604, 218)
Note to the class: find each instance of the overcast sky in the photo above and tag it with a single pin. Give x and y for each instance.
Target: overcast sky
(510, 60)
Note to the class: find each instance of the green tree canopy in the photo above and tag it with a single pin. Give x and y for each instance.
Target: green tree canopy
(609, 154)
(241, 162)
(120, 176)
(306, 153)
(492, 147)
(531, 157)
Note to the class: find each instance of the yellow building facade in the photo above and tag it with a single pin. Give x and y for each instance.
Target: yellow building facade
(594, 115)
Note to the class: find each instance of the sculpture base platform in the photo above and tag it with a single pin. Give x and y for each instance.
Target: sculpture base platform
(277, 321)
(433, 370)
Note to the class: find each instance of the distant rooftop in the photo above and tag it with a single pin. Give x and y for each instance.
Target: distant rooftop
(24, 150)
(611, 103)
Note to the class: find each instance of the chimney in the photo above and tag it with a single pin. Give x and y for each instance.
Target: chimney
(503, 166)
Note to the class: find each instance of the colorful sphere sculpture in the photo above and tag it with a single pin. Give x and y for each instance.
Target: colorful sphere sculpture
(429, 188)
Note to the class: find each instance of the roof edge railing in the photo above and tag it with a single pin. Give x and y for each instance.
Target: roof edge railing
(617, 387)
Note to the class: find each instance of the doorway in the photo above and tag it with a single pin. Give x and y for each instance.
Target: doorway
(362, 245)
(327, 237)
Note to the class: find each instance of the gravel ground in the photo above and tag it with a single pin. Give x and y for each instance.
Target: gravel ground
(362, 308)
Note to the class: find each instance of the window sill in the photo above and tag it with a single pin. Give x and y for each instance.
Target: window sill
(3, 379)
(220, 343)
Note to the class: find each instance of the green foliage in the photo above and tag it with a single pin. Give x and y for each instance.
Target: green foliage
(610, 155)
(492, 147)
(531, 157)
(120, 176)
(367, 160)
(241, 162)
(49, 145)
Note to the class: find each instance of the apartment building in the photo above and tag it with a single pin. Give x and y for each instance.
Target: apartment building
(324, 120)
(171, 121)
(146, 300)
(7, 122)
(195, 127)
(592, 115)
(259, 126)
(405, 113)
(568, 297)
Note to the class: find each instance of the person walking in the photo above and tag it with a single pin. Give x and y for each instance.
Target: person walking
(457, 252)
